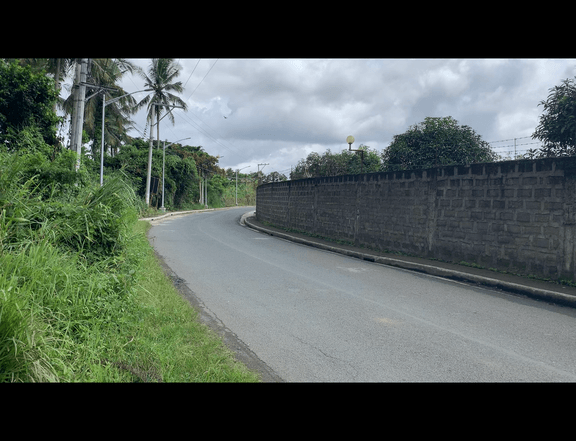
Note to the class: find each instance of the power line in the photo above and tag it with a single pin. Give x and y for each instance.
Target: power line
(199, 119)
(511, 139)
(512, 145)
(203, 78)
(185, 117)
(192, 72)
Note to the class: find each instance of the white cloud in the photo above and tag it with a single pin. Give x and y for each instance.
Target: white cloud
(277, 111)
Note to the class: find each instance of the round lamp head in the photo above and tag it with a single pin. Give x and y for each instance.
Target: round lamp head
(350, 139)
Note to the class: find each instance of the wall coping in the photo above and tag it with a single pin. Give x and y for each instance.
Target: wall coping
(566, 164)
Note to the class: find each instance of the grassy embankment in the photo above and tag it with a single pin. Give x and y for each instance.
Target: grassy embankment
(84, 299)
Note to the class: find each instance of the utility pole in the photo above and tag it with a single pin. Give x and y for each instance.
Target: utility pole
(206, 189)
(201, 201)
(78, 69)
(78, 118)
(259, 179)
(350, 141)
(237, 170)
(104, 104)
(162, 208)
(75, 92)
(149, 173)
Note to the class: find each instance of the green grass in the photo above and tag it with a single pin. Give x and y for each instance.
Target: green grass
(171, 342)
(83, 297)
(64, 321)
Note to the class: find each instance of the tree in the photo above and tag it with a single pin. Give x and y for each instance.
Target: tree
(160, 77)
(108, 72)
(274, 177)
(436, 142)
(59, 68)
(557, 127)
(26, 99)
(367, 161)
(181, 179)
(335, 164)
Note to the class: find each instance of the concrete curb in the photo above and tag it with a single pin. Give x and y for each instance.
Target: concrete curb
(530, 291)
(176, 213)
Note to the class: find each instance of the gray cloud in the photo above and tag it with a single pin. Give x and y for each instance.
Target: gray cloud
(276, 111)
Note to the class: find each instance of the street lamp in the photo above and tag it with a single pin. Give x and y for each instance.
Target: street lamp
(149, 172)
(237, 182)
(350, 141)
(104, 104)
(162, 208)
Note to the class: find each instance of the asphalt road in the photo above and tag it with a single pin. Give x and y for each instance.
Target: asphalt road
(301, 314)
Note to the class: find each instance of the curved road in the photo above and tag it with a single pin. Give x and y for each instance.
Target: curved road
(314, 316)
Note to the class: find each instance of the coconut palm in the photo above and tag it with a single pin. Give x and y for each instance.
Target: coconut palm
(106, 72)
(160, 78)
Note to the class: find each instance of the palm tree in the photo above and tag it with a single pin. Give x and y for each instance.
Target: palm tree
(160, 78)
(60, 68)
(106, 72)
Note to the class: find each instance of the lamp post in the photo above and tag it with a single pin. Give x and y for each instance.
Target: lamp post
(237, 182)
(350, 141)
(104, 104)
(162, 208)
(149, 172)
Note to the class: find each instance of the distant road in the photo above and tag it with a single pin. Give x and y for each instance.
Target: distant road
(314, 316)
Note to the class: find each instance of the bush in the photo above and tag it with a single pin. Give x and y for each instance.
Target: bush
(67, 271)
(26, 98)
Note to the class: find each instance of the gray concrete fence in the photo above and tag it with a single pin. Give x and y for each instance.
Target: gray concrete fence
(516, 216)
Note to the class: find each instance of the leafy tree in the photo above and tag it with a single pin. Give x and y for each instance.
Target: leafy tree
(436, 142)
(205, 162)
(274, 177)
(367, 161)
(181, 181)
(215, 190)
(181, 178)
(132, 159)
(26, 99)
(557, 127)
(334, 164)
(59, 68)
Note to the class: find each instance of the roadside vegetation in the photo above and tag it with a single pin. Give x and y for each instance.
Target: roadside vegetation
(82, 295)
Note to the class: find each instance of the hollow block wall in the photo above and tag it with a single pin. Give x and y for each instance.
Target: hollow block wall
(516, 216)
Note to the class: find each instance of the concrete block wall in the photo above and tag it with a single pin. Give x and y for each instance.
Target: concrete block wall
(517, 216)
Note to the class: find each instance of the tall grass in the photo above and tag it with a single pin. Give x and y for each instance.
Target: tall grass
(82, 297)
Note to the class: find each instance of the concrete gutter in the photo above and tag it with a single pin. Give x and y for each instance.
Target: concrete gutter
(546, 291)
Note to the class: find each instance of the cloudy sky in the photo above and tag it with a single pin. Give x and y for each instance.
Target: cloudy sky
(277, 111)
